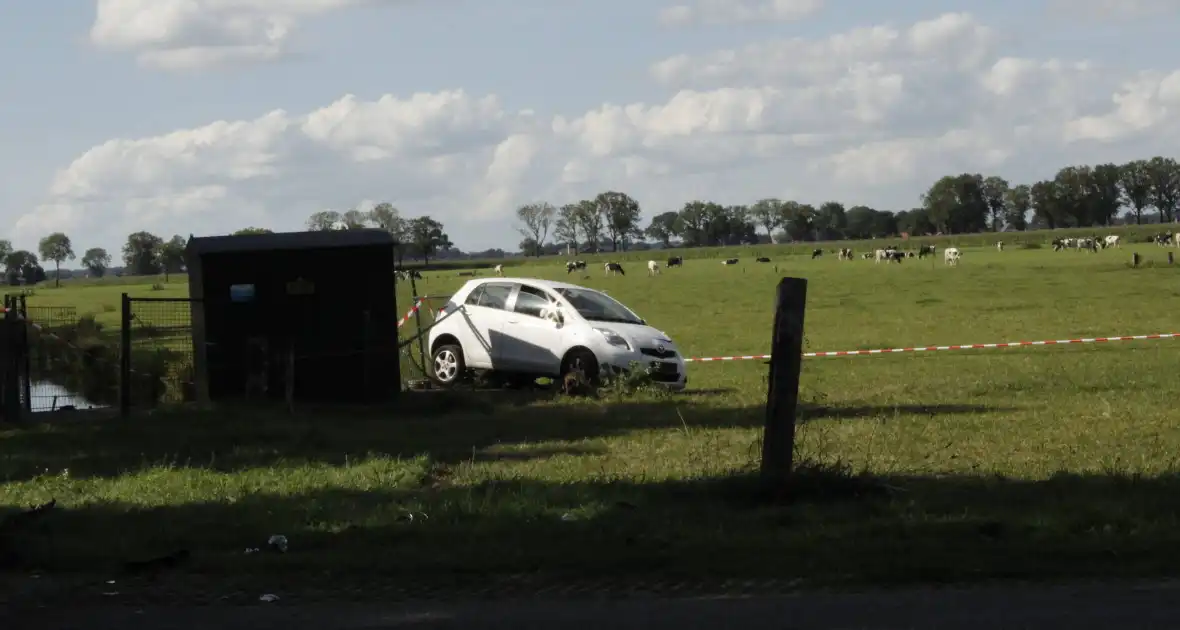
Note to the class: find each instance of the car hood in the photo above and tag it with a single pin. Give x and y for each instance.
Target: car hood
(638, 335)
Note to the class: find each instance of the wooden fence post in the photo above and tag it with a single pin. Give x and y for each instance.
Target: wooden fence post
(1134, 259)
(778, 438)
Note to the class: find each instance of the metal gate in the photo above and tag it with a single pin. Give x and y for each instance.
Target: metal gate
(158, 358)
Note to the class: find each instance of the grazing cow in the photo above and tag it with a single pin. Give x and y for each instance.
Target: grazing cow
(999, 246)
(926, 250)
(675, 261)
(816, 253)
(845, 253)
(1176, 239)
(574, 265)
(910, 254)
(729, 261)
(612, 268)
(499, 270)
(883, 254)
(1113, 240)
(951, 256)
(868, 255)
(893, 255)
(653, 268)
(763, 260)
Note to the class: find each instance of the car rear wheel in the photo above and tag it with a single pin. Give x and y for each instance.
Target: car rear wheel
(448, 367)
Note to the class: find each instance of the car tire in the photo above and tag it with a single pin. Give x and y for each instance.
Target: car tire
(584, 360)
(447, 367)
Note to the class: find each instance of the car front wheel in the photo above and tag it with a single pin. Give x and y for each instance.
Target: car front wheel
(584, 361)
(447, 366)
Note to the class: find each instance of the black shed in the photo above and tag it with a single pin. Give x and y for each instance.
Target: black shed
(320, 305)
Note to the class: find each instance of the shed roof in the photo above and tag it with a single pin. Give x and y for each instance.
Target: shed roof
(286, 241)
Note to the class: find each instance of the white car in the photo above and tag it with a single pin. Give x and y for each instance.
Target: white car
(529, 328)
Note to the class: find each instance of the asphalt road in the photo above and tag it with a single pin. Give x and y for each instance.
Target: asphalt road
(1122, 607)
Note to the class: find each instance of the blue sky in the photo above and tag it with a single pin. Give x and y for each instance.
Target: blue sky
(123, 115)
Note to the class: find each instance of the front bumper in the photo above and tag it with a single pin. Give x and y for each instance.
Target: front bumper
(667, 371)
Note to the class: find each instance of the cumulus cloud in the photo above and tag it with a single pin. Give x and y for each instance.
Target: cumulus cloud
(194, 34)
(731, 11)
(871, 115)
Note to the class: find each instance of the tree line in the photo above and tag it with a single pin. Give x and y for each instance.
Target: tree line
(1077, 196)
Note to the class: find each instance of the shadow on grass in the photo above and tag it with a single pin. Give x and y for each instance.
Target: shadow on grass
(447, 427)
(839, 529)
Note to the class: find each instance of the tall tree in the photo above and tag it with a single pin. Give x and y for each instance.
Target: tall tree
(535, 219)
(252, 230)
(1016, 207)
(5, 249)
(1135, 182)
(1165, 186)
(1104, 193)
(831, 220)
(172, 256)
(995, 195)
(22, 267)
(427, 237)
(386, 217)
(915, 222)
(766, 213)
(97, 261)
(1046, 204)
(323, 221)
(590, 223)
(56, 247)
(797, 220)
(566, 229)
(620, 214)
(141, 253)
(1072, 185)
(716, 224)
(694, 216)
(663, 227)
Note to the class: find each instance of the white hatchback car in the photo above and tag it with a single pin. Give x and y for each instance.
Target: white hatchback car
(530, 328)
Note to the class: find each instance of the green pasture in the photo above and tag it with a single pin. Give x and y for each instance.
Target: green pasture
(1038, 462)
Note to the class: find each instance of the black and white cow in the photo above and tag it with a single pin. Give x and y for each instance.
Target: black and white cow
(816, 253)
(763, 260)
(612, 268)
(894, 255)
(845, 253)
(675, 261)
(729, 261)
(926, 250)
(573, 265)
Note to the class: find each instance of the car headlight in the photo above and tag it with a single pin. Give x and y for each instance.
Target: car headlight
(613, 338)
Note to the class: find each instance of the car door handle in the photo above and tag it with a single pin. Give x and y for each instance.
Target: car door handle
(514, 321)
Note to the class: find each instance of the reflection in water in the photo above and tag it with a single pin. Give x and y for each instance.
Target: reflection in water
(49, 396)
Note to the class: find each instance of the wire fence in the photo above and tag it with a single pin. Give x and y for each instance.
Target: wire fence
(159, 359)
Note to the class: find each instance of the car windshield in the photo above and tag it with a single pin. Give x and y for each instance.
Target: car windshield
(598, 307)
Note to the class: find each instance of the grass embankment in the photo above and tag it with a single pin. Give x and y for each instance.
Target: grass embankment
(1026, 462)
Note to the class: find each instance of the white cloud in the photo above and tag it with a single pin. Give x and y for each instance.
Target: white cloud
(730, 11)
(871, 116)
(194, 34)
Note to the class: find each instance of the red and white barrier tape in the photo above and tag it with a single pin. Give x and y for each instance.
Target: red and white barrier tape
(417, 305)
(973, 346)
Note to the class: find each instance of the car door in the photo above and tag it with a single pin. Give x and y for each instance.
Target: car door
(532, 343)
(484, 311)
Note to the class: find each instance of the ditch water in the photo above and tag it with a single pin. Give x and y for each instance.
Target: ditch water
(49, 396)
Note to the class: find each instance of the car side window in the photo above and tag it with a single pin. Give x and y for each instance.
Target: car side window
(495, 295)
(474, 296)
(532, 301)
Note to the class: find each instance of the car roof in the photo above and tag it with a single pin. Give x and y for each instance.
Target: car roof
(548, 284)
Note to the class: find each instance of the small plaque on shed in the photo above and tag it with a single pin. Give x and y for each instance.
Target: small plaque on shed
(300, 287)
(241, 293)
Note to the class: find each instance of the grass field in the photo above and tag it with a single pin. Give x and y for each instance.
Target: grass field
(1024, 462)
